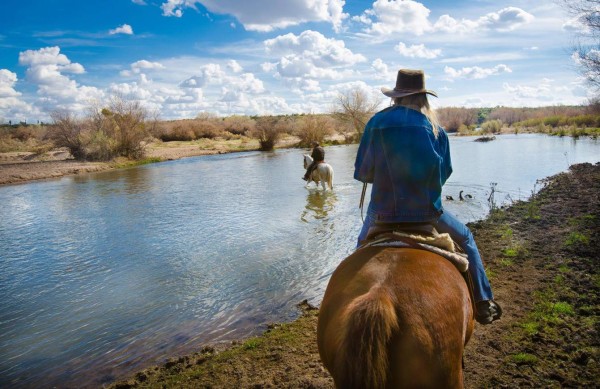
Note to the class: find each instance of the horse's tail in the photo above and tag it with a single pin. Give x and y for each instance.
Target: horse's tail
(370, 320)
(330, 178)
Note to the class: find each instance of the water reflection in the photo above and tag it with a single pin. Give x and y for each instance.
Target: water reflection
(105, 273)
(318, 204)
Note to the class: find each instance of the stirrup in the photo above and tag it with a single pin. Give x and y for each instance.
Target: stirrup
(487, 311)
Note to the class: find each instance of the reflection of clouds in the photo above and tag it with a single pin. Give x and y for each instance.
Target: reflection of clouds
(318, 205)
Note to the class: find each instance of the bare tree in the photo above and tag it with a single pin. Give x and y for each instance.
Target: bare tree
(355, 107)
(587, 48)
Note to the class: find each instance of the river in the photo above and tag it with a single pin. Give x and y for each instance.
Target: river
(103, 274)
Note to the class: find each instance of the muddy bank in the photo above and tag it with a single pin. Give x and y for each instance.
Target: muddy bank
(542, 259)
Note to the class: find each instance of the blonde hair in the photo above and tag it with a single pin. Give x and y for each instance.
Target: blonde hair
(420, 101)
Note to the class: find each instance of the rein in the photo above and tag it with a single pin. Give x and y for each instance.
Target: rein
(362, 201)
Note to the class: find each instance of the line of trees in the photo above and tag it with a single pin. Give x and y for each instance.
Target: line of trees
(124, 128)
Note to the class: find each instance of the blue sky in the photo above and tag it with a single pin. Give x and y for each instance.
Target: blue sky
(256, 57)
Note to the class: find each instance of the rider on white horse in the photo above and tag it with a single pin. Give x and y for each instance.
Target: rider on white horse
(318, 156)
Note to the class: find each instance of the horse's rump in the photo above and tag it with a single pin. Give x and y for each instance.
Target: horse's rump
(395, 317)
(323, 172)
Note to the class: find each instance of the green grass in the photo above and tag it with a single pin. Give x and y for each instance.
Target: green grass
(577, 238)
(137, 162)
(251, 344)
(524, 359)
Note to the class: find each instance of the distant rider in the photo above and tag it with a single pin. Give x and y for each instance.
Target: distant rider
(318, 156)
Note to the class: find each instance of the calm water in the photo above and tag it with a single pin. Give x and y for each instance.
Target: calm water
(106, 273)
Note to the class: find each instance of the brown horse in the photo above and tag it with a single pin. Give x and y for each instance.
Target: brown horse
(395, 318)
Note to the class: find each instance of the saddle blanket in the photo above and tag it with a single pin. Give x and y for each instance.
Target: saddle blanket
(440, 244)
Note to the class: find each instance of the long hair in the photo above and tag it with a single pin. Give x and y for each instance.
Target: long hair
(420, 101)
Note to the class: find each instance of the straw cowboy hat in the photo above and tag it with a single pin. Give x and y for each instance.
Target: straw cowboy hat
(408, 82)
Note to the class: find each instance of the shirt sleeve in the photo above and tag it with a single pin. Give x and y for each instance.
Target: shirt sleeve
(364, 164)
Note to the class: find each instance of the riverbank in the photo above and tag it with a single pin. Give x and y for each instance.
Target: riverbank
(20, 167)
(542, 258)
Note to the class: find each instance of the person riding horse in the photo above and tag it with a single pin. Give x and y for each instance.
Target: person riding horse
(405, 154)
(318, 156)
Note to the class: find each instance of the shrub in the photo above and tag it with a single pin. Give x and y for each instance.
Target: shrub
(239, 125)
(118, 130)
(205, 129)
(492, 126)
(267, 132)
(314, 128)
(66, 132)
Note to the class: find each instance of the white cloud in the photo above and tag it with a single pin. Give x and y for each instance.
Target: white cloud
(390, 17)
(310, 54)
(417, 51)
(475, 72)
(541, 93)
(7, 81)
(234, 66)
(138, 66)
(139, 2)
(12, 108)
(124, 29)
(506, 19)
(45, 70)
(448, 24)
(272, 14)
(397, 17)
(209, 74)
(382, 71)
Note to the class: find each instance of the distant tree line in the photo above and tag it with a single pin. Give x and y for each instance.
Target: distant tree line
(124, 128)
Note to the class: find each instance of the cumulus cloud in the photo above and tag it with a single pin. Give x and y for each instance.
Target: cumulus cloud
(506, 19)
(234, 66)
(124, 29)
(45, 68)
(138, 66)
(310, 54)
(417, 51)
(209, 74)
(235, 88)
(475, 72)
(273, 14)
(12, 108)
(394, 17)
(389, 17)
(7, 81)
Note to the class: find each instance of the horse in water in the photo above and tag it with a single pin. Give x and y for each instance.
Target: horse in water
(323, 173)
(395, 317)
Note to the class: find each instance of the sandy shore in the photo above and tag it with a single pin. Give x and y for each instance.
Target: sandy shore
(20, 167)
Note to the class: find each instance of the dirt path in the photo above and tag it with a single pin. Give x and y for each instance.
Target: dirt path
(542, 259)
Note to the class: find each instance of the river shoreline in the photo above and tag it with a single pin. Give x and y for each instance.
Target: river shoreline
(542, 258)
(21, 167)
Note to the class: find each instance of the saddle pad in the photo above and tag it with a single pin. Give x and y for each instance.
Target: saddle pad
(459, 260)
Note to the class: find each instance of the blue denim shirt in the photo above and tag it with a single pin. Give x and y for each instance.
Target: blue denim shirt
(406, 163)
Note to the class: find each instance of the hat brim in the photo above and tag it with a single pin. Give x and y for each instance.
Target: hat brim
(407, 92)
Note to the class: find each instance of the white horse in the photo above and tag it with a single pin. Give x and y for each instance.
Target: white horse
(323, 173)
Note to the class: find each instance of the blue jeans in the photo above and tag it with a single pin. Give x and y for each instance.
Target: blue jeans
(460, 233)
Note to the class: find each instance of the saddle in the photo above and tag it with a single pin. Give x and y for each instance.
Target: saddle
(422, 236)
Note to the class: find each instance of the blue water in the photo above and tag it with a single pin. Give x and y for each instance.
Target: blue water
(105, 273)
